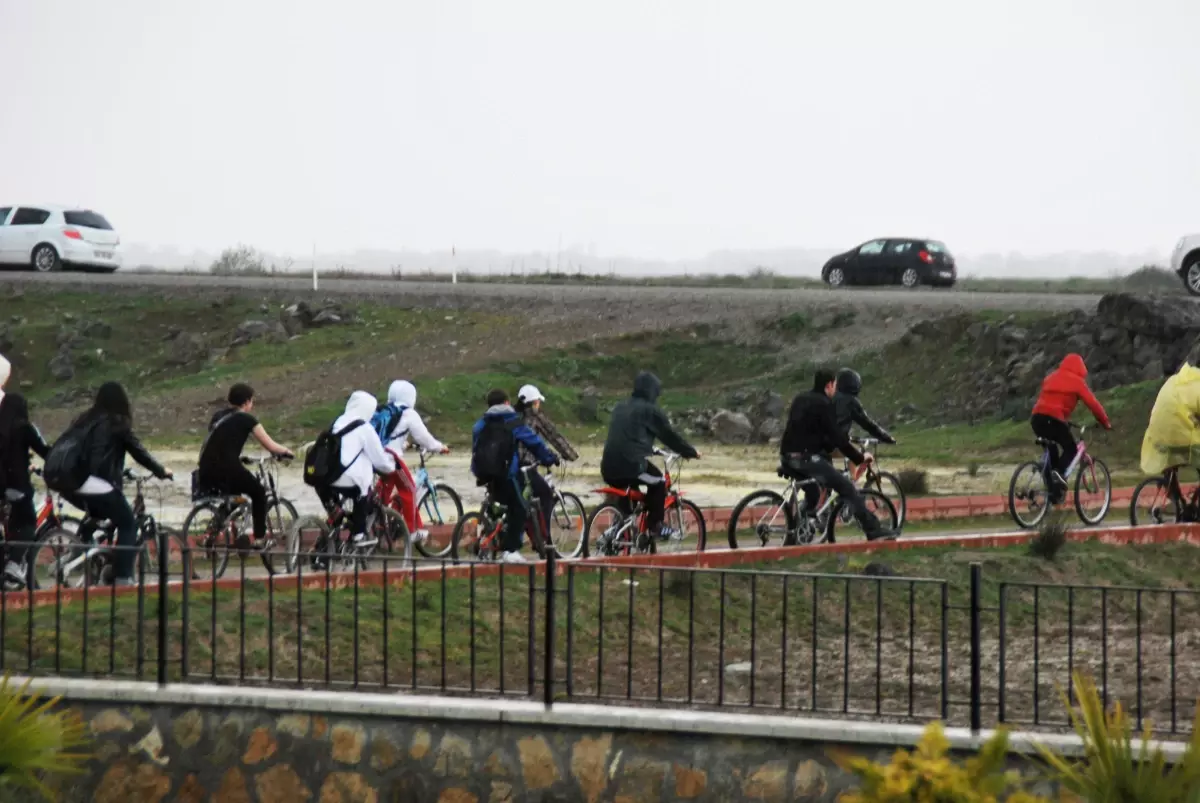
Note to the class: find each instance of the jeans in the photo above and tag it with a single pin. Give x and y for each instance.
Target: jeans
(114, 507)
(827, 474)
(233, 480)
(509, 494)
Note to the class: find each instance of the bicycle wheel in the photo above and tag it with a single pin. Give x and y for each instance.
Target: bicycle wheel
(49, 563)
(207, 537)
(876, 502)
(889, 485)
(441, 509)
(1093, 492)
(68, 523)
(683, 527)
(281, 515)
(1028, 496)
(475, 536)
(568, 525)
(603, 528)
(1153, 503)
(761, 516)
(151, 532)
(389, 529)
(295, 537)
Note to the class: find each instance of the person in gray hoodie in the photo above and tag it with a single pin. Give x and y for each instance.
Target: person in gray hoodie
(635, 425)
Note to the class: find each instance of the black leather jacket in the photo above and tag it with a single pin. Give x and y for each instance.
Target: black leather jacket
(849, 411)
(108, 443)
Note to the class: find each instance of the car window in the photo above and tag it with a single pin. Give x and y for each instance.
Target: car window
(934, 247)
(900, 248)
(4, 210)
(873, 247)
(28, 216)
(87, 219)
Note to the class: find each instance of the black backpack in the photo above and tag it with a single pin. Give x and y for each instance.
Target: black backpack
(323, 463)
(67, 465)
(494, 450)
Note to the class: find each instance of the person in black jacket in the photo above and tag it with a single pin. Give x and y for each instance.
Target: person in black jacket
(849, 409)
(636, 423)
(810, 437)
(18, 437)
(110, 438)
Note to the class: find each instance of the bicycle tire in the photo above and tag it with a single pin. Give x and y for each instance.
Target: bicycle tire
(680, 508)
(896, 494)
(205, 543)
(47, 551)
(474, 526)
(1164, 512)
(766, 497)
(1016, 495)
(68, 523)
(591, 536)
(874, 500)
(281, 515)
(389, 528)
(1099, 468)
(569, 508)
(300, 525)
(438, 515)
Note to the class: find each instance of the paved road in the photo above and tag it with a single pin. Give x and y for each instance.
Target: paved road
(443, 294)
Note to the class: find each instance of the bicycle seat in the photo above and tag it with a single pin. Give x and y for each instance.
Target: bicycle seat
(633, 494)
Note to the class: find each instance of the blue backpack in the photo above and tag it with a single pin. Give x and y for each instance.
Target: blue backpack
(385, 419)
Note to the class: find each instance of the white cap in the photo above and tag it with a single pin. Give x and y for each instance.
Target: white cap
(529, 393)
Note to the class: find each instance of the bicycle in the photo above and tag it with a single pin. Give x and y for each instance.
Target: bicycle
(801, 526)
(620, 532)
(874, 479)
(335, 541)
(50, 515)
(217, 522)
(1029, 489)
(431, 511)
(60, 558)
(483, 530)
(568, 519)
(1165, 500)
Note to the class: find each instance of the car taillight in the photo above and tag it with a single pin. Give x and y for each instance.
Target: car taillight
(926, 257)
(72, 234)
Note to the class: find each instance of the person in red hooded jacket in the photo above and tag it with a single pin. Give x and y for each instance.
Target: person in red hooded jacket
(1061, 391)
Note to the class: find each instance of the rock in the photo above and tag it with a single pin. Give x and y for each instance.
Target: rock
(457, 795)
(152, 745)
(172, 332)
(809, 783)
(770, 430)
(143, 783)
(385, 754)
(110, 720)
(261, 747)
(66, 337)
(728, 427)
(453, 758)
(233, 788)
(501, 792)
(347, 787)
(192, 791)
(188, 728)
(186, 349)
(537, 763)
(249, 331)
(1162, 317)
(690, 782)
(96, 329)
(1153, 369)
(348, 741)
(768, 783)
(422, 741)
(281, 784)
(292, 325)
(589, 765)
(294, 725)
(641, 779)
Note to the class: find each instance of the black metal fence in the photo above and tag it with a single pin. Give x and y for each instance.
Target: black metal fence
(890, 648)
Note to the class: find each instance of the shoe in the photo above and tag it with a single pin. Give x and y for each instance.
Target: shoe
(667, 533)
(883, 535)
(15, 572)
(362, 541)
(513, 557)
(124, 581)
(420, 536)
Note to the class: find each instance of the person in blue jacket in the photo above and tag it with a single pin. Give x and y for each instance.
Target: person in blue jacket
(495, 463)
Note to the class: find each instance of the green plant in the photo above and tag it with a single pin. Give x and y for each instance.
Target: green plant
(973, 469)
(1115, 770)
(36, 740)
(930, 775)
(1050, 537)
(913, 482)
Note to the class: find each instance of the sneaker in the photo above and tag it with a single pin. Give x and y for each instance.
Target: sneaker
(513, 557)
(125, 581)
(420, 536)
(15, 572)
(667, 533)
(883, 535)
(361, 540)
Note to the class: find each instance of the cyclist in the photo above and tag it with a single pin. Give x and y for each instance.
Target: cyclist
(18, 437)
(1061, 391)
(529, 405)
(105, 435)
(494, 462)
(849, 409)
(1172, 437)
(221, 468)
(362, 455)
(636, 423)
(811, 435)
(396, 422)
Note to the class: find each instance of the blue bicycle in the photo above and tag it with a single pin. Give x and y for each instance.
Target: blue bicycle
(438, 506)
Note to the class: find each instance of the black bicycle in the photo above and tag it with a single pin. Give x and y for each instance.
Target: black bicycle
(336, 544)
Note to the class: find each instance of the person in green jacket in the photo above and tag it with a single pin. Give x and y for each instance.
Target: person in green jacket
(636, 423)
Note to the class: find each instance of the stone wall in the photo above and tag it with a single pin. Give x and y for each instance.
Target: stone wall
(208, 754)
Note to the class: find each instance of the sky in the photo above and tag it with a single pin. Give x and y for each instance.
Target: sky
(664, 129)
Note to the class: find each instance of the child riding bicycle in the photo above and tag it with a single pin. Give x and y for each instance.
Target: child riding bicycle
(1061, 391)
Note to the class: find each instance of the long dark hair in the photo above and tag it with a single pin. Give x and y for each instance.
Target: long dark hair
(112, 403)
(14, 413)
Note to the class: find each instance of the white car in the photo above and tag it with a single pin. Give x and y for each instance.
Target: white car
(47, 238)
(1186, 262)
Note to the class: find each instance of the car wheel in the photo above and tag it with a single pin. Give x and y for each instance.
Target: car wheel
(910, 278)
(45, 259)
(1191, 277)
(836, 277)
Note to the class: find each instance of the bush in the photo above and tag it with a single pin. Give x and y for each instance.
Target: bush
(973, 469)
(930, 775)
(1049, 539)
(913, 482)
(1112, 767)
(36, 740)
(240, 261)
(1151, 278)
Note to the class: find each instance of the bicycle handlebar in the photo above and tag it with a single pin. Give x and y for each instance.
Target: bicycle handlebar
(258, 461)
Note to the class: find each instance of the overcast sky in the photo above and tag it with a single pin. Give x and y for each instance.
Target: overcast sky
(658, 129)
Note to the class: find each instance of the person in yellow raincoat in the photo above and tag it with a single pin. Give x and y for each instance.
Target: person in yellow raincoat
(1173, 437)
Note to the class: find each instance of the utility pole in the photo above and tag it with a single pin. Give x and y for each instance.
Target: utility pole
(314, 267)
(453, 265)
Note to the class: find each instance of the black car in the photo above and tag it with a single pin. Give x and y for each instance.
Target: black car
(892, 260)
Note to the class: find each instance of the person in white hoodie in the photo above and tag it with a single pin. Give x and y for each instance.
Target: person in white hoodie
(5, 371)
(362, 455)
(395, 423)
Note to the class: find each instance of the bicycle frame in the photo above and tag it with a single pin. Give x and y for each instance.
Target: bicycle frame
(103, 544)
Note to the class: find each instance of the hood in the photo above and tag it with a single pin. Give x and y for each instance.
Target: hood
(360, 407)
(5, 370)
(647, 386)
(849, 381)
(1073, 364)
(402, 393)
(500, 410)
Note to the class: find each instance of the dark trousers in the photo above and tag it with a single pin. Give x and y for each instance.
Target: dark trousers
(545, 498)
(827, 474)
(114, 507)
(22, 525)
(330, 498)
(508, 493)
(233, 480)
(656, 493)
(1062, 442)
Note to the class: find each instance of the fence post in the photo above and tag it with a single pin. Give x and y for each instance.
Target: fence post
(976, 691)
(164, 555)
(548, 649)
